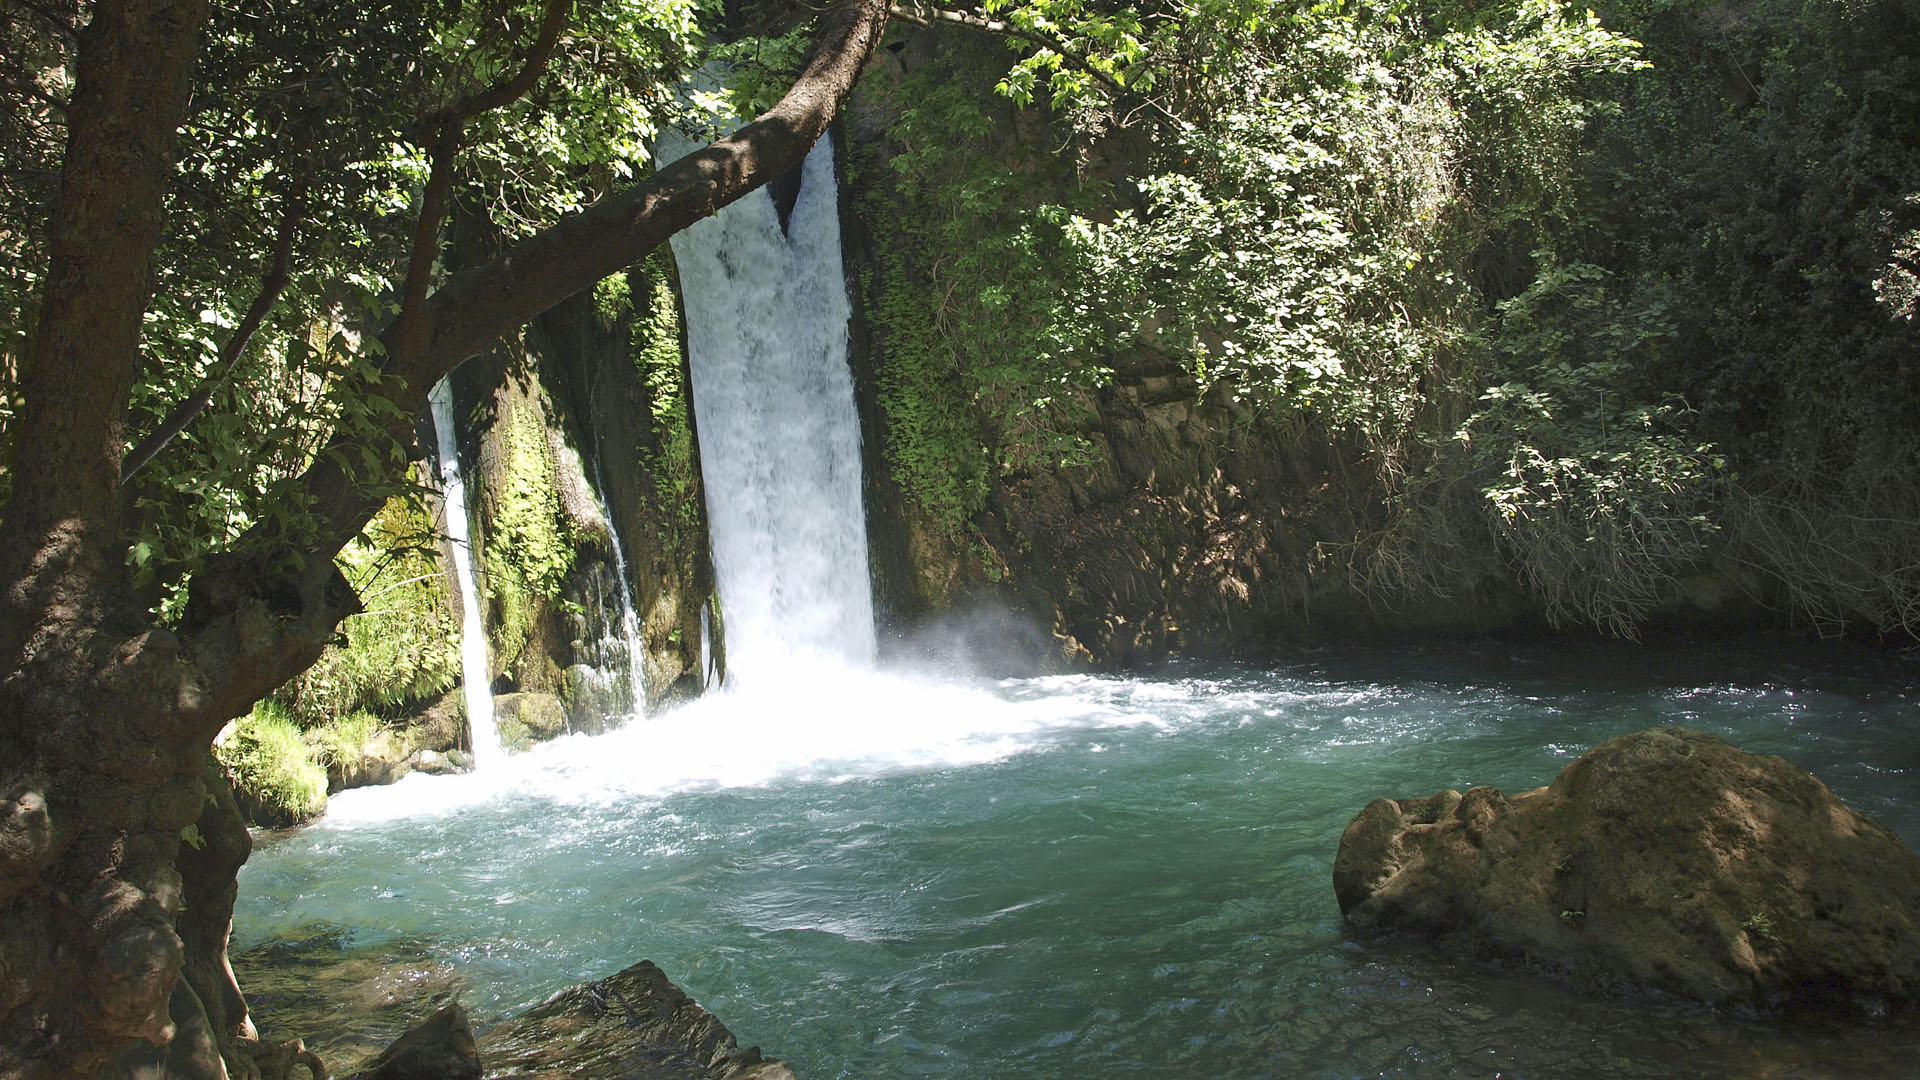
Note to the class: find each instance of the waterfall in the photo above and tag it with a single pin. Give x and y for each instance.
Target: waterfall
(473, 631)
(629, 618)
(767, 314)
(706, 645)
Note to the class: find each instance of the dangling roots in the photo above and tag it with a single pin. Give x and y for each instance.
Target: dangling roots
(277, 1061)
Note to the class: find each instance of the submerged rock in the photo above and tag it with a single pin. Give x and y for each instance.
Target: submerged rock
(635, 1025)
(1666, 859)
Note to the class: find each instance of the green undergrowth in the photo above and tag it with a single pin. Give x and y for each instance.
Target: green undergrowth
(274, 771)
(398, 653)
(281, 770)
(343, 741)
(1597, 305)
(404, 648)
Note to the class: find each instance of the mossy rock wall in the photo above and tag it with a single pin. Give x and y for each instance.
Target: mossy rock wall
(614, 363)
(1071, 490)
(1151, 520)
(579, 438)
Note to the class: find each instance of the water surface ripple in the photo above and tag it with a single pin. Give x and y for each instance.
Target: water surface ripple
(878, 877)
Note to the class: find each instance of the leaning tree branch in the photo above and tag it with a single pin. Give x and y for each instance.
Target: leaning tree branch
(508, 91)
(190, 407)
(51, 17)
(434, 204)
(441, 130)
(932, 16)
(475, 307)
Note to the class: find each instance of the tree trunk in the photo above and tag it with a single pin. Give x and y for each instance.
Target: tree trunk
(112, 937)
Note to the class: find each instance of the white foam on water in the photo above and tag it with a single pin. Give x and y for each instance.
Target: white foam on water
(824, 722)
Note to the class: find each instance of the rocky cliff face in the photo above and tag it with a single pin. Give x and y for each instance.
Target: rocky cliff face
(573, 454)
(1180, 522)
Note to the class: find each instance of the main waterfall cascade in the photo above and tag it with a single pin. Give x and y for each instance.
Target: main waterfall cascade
(474, 680)
(767, 315)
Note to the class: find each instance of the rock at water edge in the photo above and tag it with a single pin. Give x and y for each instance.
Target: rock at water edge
(1666, 859)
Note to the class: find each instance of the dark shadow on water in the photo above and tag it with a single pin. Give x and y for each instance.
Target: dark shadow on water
(346, 1001)
(1463, 1018)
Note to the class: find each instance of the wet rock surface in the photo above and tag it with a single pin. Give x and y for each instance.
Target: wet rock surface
(347, 1003)
(440, 1047)
(525, 719)
(1665, 860)
(635, 1024)
(347, 1007)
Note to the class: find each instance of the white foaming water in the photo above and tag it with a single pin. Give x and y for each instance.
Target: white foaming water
(473, 632)
(767, 315)
(829, 723)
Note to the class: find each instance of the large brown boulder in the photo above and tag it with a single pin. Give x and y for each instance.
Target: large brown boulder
(1665, 859)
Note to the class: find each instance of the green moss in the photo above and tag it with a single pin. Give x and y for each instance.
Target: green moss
(612, 301)
(273, 770)
(531, 546)
(657, 356)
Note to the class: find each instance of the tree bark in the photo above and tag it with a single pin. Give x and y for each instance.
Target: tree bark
(135, 64)
(91, 795)
(106, 719)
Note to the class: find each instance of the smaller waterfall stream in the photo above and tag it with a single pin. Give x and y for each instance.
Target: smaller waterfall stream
(474, 680)
(629, 618)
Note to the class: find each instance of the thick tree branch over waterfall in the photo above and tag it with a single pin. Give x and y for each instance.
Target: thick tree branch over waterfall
(106, 717)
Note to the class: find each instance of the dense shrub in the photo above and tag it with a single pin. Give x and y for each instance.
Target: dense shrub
(1608, 298)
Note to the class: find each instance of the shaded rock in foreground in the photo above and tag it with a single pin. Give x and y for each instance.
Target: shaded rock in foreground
(635, 1025)
(440, 1047)
(1665, 859)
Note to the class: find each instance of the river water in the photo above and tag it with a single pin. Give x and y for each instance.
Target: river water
(879, 876)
